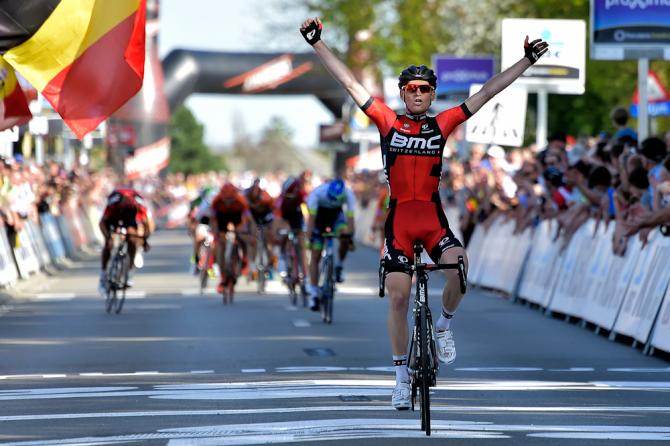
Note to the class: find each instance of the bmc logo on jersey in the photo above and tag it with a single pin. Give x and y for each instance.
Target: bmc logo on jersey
(412, 142)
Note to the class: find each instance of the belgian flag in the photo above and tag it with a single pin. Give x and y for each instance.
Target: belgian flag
(86, 57)
(13, 103)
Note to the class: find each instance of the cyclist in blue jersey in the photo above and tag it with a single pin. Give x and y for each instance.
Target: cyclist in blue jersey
(330, 205)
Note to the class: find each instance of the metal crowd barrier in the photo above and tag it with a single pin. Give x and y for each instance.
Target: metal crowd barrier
(627, 295)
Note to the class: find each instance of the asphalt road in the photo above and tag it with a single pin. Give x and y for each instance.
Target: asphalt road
(178, 368)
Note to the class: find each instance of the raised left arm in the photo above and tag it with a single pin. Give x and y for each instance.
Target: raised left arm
(533, 51)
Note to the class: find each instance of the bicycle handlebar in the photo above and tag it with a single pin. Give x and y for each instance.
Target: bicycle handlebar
(459, 266)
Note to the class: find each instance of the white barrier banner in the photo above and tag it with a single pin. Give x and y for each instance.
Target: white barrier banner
(8, 273)
(65, 235)
(521, 244)
(492, 254)
(93, 216)
(52, 236)
(539, 277)
(569, 295)
(661, 336)
(645, 293)
(39, 246)
(608, 277)
(475, 253)
(26, 259)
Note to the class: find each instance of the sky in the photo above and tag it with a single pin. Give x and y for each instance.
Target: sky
(233, 25)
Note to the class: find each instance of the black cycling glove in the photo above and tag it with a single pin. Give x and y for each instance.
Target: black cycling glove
(535, 49)
(312, 33)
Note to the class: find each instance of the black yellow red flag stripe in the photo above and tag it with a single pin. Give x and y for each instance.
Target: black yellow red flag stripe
(86, 57)
(13, 104)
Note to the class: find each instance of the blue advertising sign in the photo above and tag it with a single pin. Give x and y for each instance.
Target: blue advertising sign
(629, 24)
(653, 108)
(455, 75)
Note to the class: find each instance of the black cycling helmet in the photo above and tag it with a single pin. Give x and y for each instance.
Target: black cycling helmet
(414, 73)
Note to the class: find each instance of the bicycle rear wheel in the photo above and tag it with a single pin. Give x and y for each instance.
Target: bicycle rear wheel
(110, 300)
(122, 283)
(424, 376)
(204, 254)
(327, 292)
(291, 273)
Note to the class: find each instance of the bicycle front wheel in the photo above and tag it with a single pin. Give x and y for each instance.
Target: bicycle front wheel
(424, 378)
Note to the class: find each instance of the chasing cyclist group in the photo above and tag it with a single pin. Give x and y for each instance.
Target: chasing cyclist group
(219, 210)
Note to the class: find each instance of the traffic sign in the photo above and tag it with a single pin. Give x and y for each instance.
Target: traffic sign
(656, 91)
(501, 120)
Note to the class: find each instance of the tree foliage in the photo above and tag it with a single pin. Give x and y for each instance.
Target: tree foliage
(410, 31)
(189, 154)
(274, 152)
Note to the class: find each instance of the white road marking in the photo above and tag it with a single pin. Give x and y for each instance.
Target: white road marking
(574, 369)
(157, 307)
(290, 308)
(383, 369)
(641, 370)
(301, 323)
(499, 369)
(310, 369)
(317, 409)
(136, 294)
(362, 428)
(633, 385)
(55, 296)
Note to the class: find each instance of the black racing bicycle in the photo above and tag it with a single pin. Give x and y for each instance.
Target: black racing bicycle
(295, 276)
(422, 360)
(327, 273)
(117, 271)
(262, 259)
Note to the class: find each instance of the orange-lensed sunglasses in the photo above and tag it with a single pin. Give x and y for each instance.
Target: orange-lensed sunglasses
(413, 88)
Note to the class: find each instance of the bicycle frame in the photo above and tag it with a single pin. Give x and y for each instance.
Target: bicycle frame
(422, 361)
(262, 256)
(205, 259)
(294, 272)
(328, 279)
(117, 271)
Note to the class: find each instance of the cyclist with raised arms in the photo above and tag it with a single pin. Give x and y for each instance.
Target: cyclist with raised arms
(330, 205)
(412, 145)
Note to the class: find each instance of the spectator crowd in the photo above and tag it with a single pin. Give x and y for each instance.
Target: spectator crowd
(614, 179)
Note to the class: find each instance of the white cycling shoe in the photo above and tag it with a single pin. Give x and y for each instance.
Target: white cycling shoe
(446, 347)
(400, 399)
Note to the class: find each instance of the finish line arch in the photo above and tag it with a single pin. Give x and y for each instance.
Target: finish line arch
(139, 130)
(190, 71)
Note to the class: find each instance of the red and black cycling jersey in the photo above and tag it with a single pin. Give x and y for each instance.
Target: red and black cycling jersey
(412, 155)
(412, 148)
(127, 205)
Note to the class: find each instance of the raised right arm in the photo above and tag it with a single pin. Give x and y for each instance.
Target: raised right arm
(311, 31)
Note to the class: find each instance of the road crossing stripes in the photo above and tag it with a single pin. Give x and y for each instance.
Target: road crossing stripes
(309, 410)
